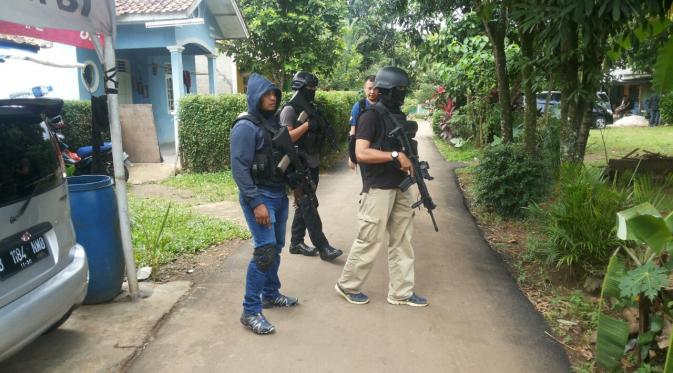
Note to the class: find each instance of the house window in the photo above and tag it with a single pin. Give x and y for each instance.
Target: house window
(169, 90)
(90, 76)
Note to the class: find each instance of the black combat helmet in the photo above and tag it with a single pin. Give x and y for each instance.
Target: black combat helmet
(392, 84)
(391, 77)
(303, 79)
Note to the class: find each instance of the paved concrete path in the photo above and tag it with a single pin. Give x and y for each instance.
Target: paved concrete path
(477, 321)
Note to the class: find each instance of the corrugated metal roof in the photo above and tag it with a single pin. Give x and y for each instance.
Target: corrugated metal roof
(152, 6)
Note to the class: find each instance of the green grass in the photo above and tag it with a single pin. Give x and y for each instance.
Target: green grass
(185, 231)
(212, 187)
(620, 141)
(466, 153)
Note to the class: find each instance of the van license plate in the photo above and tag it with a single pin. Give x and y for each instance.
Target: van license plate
(22, 255)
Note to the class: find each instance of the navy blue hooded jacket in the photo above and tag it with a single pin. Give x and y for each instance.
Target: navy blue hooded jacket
(246, 138)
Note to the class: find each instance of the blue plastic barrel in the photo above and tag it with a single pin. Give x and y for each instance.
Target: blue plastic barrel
(94, 215)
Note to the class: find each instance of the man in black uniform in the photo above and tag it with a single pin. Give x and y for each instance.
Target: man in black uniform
(385, 214)
(309, 138)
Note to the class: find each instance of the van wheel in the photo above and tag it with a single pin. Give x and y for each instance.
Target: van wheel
(60, 322)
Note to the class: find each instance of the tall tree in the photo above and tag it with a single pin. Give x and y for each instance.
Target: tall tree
(578, 36)
(423, 16)
(495, 17)
(289, 35)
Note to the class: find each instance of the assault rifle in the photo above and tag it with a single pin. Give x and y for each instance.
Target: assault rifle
(404, 134)
(301, 177)
(326, 128)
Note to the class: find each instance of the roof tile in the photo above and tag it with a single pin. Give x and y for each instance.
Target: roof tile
(124, 7)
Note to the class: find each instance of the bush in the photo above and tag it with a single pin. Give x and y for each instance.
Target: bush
(437, 117)
(579, 225)
(206, 121)
(205, 125)
(666, 108)
(508, 179)
(77, 117)
(461, 125)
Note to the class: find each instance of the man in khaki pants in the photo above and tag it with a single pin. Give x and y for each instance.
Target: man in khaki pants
(384, 207)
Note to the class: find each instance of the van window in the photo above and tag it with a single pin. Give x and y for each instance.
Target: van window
(28, 159)
(554, 97)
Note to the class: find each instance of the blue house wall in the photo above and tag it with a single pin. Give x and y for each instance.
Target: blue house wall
(144, 48)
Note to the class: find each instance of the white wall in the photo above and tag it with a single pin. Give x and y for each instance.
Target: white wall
(224, 71)
(20, 75)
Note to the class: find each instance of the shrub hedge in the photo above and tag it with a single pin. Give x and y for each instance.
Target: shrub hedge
(205, 125)
(77, 118)
(508, 179)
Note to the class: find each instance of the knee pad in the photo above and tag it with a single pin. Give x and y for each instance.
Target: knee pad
(264, 257)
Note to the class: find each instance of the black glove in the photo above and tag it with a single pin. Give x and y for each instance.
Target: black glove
(351, 149)
(264, 257)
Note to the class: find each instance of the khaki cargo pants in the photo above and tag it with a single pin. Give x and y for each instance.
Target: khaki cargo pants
(383, 211)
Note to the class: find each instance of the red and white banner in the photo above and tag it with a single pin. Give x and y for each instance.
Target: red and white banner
(75, 38)
(96, 16)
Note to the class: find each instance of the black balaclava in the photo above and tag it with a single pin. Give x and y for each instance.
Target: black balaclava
(309, 94)
(393, 98)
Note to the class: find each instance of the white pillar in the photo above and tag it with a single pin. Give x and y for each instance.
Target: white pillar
(120, 179)
(234, 76)
(176, 73)
(212, 74)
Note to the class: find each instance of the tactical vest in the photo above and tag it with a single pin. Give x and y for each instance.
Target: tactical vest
(264, 170)
(383, 141)
(311, 142)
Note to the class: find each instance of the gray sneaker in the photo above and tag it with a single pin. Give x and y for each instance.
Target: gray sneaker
(414, 301)
(280, 301)
(257, 323)
(354, 298)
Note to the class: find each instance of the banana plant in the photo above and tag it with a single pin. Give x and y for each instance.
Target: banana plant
(644, 282)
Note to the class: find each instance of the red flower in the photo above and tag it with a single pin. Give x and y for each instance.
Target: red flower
(440, 89)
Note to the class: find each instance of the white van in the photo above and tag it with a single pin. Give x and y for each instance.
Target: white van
(43, 272)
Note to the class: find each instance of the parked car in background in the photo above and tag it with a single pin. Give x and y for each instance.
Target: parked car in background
(43, 272)
(601, 110)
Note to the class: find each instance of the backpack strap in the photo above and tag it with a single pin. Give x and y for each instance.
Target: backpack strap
(362, 105)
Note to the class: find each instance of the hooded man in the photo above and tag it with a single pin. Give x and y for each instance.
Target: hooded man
(263, 198)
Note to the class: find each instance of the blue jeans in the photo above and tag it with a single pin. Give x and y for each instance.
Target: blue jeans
(260, 284)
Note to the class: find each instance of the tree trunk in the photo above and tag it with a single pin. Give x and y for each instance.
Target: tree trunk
(496, 29)
(590, 83)
(530, 110)
(569, 80)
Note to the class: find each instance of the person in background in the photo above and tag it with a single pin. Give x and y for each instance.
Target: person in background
(371, 96)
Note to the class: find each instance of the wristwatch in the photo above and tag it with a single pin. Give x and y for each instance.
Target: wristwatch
(395, 154)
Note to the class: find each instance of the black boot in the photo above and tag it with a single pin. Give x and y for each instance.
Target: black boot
(329, 253)
(303, 249)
